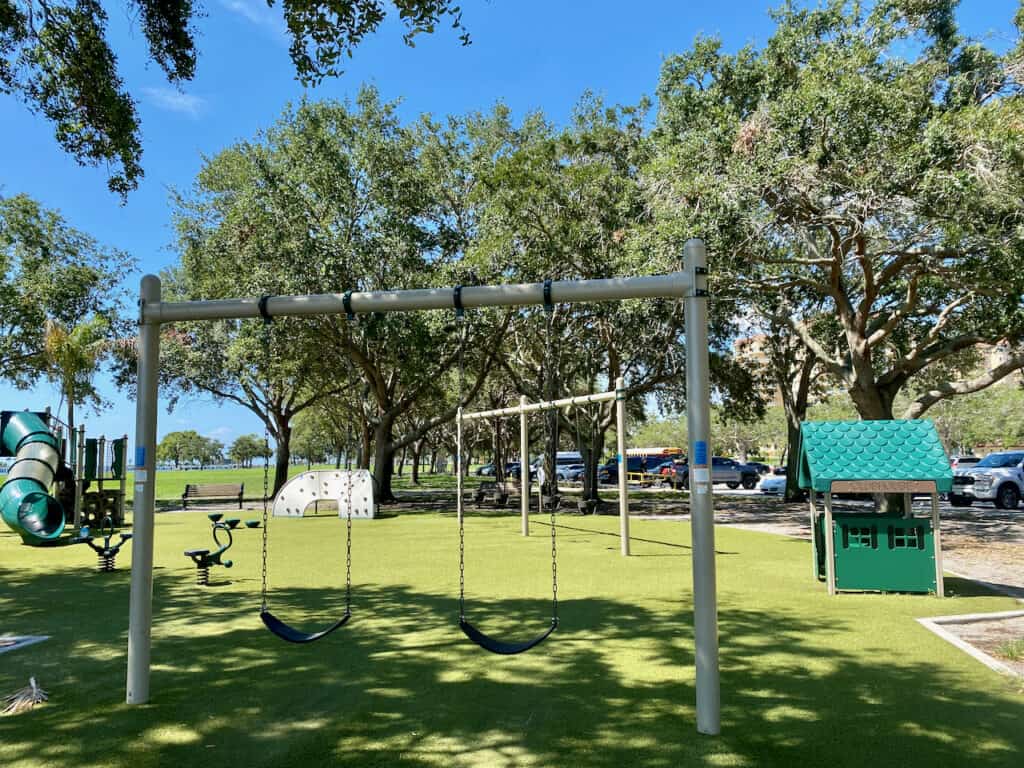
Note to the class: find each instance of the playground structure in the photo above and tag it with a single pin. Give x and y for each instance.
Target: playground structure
(689, 286)
(204, 559)
(26, 503)
(99, 461)
(523, 410)
(55, 481)
(106, 552)
(875, 550)
(344, 487)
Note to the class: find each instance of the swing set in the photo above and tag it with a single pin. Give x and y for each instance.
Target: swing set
(689, 285)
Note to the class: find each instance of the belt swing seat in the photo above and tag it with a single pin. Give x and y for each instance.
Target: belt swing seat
(278, 627)
(485, 641)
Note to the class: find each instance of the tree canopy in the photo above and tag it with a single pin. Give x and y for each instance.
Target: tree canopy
(56, 56)
(830, 169)
(60, 299)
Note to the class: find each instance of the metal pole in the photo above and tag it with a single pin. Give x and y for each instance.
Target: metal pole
(830, 547)
(940, 589)
(524, 466)
(562, 292)
(124, 479)
(620, 430)
(814, 533)
(698, 419)
(543, 405)
(140, 614)
(79, 472)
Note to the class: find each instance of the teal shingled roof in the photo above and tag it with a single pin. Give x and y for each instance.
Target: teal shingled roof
(901, 449)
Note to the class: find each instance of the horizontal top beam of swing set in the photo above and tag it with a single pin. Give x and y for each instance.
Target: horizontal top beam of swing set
(674, 284)
(547, 405)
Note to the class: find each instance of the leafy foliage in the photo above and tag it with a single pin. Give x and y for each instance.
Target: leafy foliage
(60, 309)
(831, 170)
(57, 58)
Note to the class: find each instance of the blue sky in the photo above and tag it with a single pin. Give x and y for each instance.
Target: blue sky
(526, 53)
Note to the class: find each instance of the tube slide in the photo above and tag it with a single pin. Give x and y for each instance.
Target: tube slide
(25, 501)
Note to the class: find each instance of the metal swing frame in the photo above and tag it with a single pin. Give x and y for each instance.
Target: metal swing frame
(688, 285)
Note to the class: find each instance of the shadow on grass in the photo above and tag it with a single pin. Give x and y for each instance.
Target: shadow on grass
(400, 686)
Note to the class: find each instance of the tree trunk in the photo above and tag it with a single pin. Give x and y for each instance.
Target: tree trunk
(283, 454)
(793, 490)
(363, 459)
(872, 403)
(401, 462)
(417, 451)
(71, 416)
(383, 461)
(596, 449)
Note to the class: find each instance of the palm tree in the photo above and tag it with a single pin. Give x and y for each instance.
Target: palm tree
(72, 358)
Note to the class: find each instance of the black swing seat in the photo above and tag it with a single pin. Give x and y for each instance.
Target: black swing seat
(293, 635)
(502, 647)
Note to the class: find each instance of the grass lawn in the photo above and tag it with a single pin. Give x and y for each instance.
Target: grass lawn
(807, 680)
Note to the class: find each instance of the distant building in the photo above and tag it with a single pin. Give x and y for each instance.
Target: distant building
(752, 352)
(994, 355)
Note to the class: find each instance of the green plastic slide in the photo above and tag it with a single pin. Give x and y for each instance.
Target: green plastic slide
(25, 501)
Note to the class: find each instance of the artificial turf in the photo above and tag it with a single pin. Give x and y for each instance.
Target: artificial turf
(807, 680)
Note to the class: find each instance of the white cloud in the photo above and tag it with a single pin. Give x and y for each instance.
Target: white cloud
(175, 101)
(221, 433)
(260, 14)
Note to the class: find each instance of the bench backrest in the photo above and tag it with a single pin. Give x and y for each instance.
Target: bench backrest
(214, 489)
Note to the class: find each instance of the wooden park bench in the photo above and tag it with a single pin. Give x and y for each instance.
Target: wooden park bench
(491, 492)
(212, 491)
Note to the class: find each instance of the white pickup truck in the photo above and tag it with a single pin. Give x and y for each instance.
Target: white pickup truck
(998, 478)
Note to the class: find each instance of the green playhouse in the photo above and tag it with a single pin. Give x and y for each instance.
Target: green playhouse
(875, 550)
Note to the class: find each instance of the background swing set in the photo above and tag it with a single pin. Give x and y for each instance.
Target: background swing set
(688, 285)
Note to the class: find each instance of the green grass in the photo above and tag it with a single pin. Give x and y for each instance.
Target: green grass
(807, 680)
(1011, 649)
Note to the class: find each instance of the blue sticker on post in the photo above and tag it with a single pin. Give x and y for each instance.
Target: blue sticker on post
(140, 456)
(700, 453)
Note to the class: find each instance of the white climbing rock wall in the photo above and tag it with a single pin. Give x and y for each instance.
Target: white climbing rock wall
(327, 485)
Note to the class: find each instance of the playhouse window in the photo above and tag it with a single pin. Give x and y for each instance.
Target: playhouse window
(906, 538)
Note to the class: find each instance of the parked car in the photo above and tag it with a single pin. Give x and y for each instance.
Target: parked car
(487, 470)
(963, 462)
(569, 471)
(664, 468)
(515, 471)
(762, 469)
(775, 483)
(723, 470)
(609, 473)
(998, 478)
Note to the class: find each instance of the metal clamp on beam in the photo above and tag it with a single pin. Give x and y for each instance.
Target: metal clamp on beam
(346, 301)
(548, 305)
(460, 312)
(262, 305)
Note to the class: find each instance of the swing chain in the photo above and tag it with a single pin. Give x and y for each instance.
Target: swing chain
(460, 320)
(265, 344)
(549, 310)
(348, 523)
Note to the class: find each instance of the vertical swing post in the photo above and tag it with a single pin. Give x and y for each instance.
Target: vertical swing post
(620, 438)
(524, 466)
(698, 420)
(140, 607)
